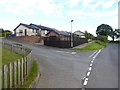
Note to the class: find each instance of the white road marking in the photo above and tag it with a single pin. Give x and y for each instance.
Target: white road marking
(73, 53)
(88, 74)
(91, 65)
(97, 54)
(90, 68)
(85, 82)
(91, 62)
(66, 52)
(92, 54)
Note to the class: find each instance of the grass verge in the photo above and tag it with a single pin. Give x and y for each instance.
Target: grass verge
(93, 46)
(8, 56)
(33, 74)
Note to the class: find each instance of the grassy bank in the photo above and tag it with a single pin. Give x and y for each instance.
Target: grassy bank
(93, 46)
(8, 56)
(33, 74)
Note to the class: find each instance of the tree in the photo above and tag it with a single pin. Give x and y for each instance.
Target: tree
(88, 35)
(105, 30)
(117, 33)
(1, 30)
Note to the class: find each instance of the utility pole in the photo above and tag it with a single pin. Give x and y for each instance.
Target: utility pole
(71, 35)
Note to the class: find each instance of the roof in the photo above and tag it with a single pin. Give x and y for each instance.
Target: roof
(51, 29)
(37, 27)
(41, 27)
(79, 31)
(28, 26)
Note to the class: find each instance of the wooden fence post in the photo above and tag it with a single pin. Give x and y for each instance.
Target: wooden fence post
(27, 64)
(22, 71)
(5, 76)
(25, 67)
(10, 74)
(15, 73)
(18, 72)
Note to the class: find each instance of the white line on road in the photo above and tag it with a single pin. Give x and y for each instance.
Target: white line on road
(92, 54)
(97, 54)
(66, 52)
(91, 65)
(73, 53)
(85, 82)
(90, 68)
(88, 74)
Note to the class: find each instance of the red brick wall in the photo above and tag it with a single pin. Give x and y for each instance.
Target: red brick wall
(31, 39)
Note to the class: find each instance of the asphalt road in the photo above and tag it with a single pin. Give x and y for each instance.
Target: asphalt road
(65, 68)
(105, 69)
(60, 68)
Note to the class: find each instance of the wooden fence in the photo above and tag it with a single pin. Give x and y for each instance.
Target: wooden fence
(15, 73)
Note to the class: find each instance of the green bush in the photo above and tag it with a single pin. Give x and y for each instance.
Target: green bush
(101, 43)
(102, 38)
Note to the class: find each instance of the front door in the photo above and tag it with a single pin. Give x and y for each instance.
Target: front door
(25, 32)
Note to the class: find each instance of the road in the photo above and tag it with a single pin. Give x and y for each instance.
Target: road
(65, 68)
(105, 69)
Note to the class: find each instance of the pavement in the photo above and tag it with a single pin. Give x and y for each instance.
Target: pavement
(65, 68)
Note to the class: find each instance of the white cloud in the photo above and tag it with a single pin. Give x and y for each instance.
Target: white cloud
(109, 3)
(97, 4)
(86, 3)
(74, 2)
(23, 7)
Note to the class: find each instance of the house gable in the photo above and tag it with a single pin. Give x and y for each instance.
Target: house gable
(24, 30)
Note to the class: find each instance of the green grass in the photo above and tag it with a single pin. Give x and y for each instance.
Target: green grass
(8, 56)
(33, 74)
(93, 46)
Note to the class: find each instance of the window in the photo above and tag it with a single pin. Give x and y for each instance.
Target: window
(21, 31)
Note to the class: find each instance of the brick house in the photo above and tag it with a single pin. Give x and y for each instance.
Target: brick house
(62, 35)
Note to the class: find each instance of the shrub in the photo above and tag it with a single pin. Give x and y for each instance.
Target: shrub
(102, 38)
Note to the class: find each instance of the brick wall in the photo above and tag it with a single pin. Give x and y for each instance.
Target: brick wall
(31, 39)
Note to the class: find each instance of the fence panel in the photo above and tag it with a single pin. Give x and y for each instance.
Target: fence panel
(5, 76)
(10, 74)
(18, 63)
(22, 71)
(15, 73)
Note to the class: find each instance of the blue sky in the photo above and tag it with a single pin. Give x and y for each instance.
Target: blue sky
(87, 14)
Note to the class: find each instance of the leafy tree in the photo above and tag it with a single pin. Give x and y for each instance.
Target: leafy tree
(105, 30)
(102, 38)
(1, 30)
(89, 35)
(4, 33)
(117, 33)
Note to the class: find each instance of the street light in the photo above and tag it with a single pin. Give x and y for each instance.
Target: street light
(71, 34)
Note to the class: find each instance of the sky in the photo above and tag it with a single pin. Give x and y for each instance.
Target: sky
(87, 14)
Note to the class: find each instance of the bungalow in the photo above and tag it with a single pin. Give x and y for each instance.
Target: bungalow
(28, 30)
(79, 34)
(62, 35)
(39, 30)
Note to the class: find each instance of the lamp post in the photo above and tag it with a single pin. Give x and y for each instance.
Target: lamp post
(71, 35)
